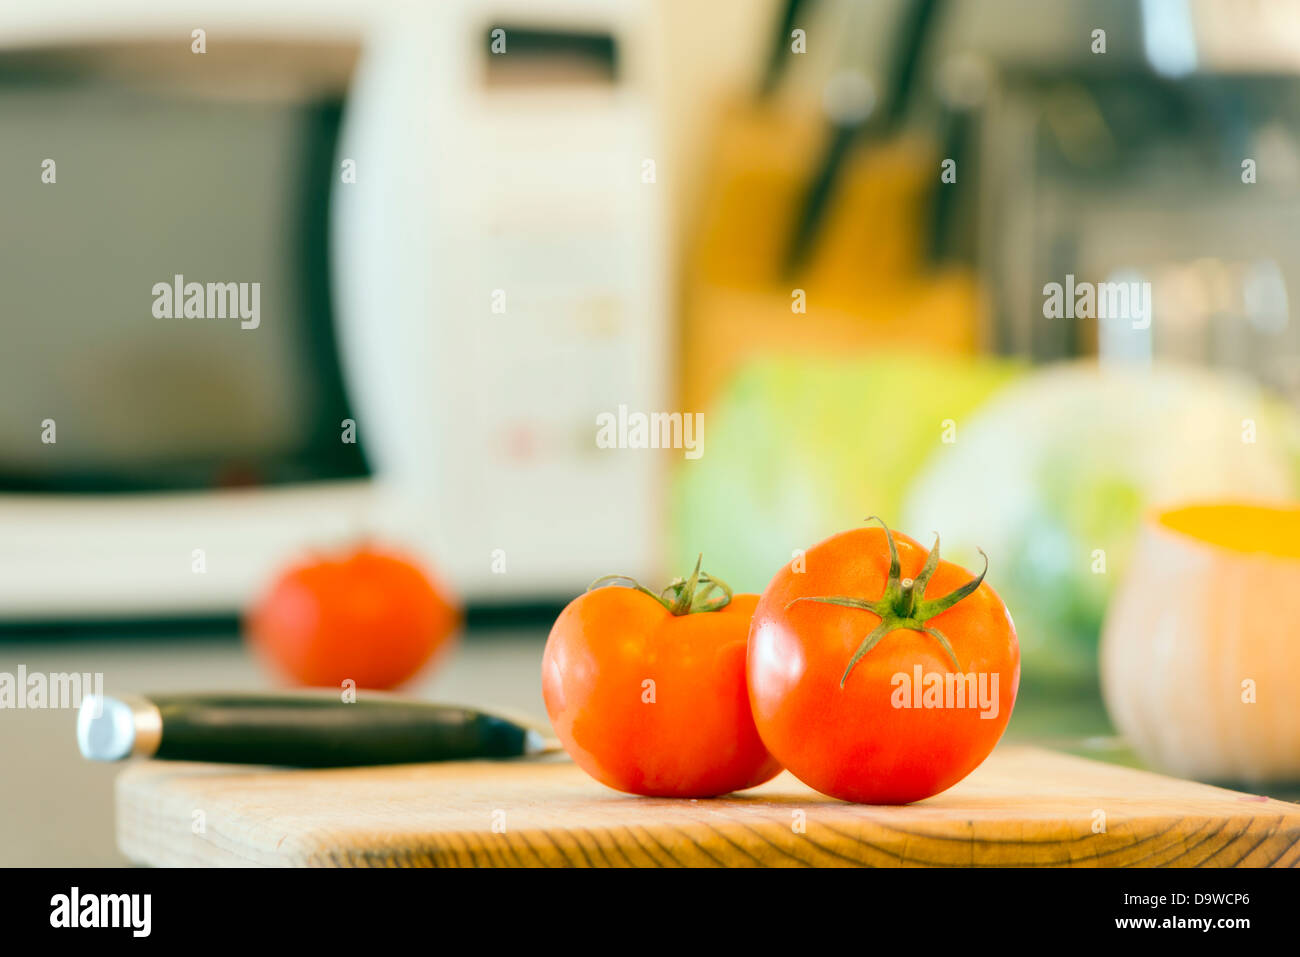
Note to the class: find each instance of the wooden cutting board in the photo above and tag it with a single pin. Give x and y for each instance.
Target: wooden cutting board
(1022, 807)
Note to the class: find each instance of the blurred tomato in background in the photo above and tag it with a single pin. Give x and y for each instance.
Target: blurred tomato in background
(368, 615)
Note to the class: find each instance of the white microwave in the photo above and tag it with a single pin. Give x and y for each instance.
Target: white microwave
(439, 215)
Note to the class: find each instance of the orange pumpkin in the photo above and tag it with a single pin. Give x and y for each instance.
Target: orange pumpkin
(1200, 653)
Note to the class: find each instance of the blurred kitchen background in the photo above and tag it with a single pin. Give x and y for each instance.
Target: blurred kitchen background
(826, 225)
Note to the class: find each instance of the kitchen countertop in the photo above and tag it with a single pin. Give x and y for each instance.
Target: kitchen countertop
(57, 809)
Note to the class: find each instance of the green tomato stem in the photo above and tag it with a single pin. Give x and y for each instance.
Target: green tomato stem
(681, 596)
(903, 605)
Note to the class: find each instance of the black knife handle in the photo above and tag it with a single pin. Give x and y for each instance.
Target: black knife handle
(323, 731)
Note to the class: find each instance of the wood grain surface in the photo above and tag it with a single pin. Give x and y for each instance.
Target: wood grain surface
(1022, 807)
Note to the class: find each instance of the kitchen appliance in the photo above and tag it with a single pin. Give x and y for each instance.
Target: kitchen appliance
(1149, 143)
(459, 267)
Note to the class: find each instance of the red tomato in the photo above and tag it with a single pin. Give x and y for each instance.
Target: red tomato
(869, 731)
(652, 702)
(375, 617)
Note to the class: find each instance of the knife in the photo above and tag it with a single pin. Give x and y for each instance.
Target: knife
(915, 28)
(303, 730)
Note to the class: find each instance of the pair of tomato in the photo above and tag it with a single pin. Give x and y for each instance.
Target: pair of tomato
(872, 669)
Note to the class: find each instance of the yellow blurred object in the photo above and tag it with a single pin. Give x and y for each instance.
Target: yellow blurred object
(728, 326)
(1241, 528)
(866, 285)
(1200, 654)
(762, 158)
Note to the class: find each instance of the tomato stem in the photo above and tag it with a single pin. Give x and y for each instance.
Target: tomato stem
(906, 597)
(681, 596)
(903, 606)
